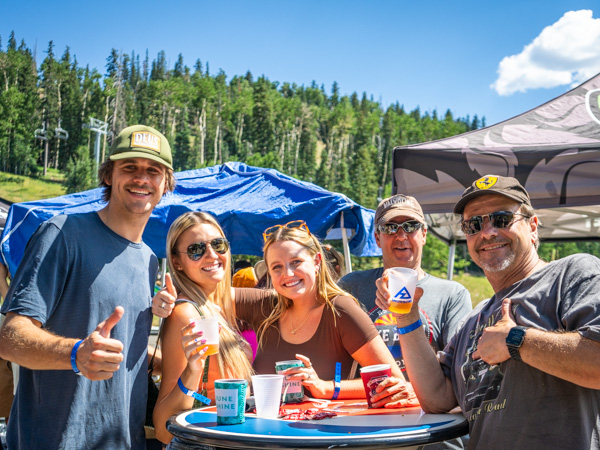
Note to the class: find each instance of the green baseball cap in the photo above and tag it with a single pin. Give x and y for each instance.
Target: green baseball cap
(140, 141)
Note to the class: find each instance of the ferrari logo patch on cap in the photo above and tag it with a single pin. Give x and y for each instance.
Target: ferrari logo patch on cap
(144, 139)
(486, 182)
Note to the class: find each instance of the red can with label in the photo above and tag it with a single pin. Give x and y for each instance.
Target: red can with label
(372, 376)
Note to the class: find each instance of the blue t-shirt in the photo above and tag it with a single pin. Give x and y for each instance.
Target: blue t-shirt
(74, 272)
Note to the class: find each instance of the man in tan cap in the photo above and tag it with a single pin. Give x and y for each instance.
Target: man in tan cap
(78, 310)
(525, 366)
(401, 232)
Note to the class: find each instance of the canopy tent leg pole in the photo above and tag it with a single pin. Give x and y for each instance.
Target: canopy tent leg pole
(347, 260)
(451, 251)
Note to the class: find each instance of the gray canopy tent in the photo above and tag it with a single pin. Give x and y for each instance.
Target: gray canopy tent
(553, 150)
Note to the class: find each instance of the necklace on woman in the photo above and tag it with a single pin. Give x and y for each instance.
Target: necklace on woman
(293, 330)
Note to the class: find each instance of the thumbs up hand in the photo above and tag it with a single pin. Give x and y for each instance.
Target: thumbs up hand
(492, 343)
(99, 356)
(164, 300)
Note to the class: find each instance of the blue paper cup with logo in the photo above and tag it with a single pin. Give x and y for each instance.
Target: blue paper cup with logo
(230, 396)
(292, 390)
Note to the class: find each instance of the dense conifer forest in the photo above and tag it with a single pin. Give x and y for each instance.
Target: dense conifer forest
(342, 143)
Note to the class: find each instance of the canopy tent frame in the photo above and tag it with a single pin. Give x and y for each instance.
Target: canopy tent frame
(553, 150)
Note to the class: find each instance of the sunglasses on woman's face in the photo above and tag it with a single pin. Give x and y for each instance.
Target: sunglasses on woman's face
(293, 224)
(498, 219)
(197, 250)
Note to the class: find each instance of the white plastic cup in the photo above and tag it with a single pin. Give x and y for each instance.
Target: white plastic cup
(210, 327)
(402, 283)
(267, 394)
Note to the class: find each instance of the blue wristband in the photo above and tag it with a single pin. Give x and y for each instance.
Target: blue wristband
(74, 357)
(190, 393)
(411, 327)
(337, 381)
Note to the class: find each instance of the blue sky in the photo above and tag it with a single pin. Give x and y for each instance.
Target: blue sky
(493, 59)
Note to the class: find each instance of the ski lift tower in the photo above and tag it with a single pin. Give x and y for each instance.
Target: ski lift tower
(99, 127)
(42, 135)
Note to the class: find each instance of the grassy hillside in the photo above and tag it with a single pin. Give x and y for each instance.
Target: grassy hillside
(17, 188)
(479, 287)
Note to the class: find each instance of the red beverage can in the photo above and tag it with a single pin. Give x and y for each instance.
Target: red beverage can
(372, 376)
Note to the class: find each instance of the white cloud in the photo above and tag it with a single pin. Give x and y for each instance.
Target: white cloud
(565, 53)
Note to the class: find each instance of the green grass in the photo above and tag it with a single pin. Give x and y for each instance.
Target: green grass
(17, 188)
(478, 286)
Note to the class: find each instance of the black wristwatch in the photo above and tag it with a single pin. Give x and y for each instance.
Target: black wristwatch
(514, 340)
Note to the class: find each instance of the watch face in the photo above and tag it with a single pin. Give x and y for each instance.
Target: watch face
(515, 336)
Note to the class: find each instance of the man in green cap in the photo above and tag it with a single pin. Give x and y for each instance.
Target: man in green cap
(78, 310)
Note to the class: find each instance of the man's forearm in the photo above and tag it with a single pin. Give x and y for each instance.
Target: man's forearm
(569, 356)
(25, 343)
(432, 387)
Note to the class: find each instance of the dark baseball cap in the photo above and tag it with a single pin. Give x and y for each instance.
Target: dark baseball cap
(140, 141)
(493, 184)
(398, 205)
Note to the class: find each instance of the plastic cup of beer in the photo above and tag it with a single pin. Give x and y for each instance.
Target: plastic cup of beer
(402, 283)
(230, 397)
(209, 326)
(372, 376)
(267, 394)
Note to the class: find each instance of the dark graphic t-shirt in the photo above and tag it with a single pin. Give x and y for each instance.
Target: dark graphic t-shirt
(513, 404)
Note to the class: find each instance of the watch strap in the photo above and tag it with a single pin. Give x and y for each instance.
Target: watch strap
(514, 353)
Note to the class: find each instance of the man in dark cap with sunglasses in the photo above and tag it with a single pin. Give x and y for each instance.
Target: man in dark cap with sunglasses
(525, 366)
(401, 232)
(78, 311)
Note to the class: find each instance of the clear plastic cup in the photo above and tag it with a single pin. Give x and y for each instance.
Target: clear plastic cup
(402, 283)
(210, 327)
(267, 394)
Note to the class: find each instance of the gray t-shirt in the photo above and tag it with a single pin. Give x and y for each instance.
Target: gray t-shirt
(74, 273)
(514, 405)
(443, 306)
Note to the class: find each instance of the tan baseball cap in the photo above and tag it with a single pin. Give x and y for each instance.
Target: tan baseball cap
(140, 141)
(493, 184)
(398, 205)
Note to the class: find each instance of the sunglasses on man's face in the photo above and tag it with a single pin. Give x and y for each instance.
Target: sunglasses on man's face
(197, 250)
(409, 226)
(498, 219)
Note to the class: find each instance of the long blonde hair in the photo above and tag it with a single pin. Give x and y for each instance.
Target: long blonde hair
(232, 360)
(327, 289)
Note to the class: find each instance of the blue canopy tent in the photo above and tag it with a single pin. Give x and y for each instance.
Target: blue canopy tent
(246, 200)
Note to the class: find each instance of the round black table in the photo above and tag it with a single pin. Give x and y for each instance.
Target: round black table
(407, 428)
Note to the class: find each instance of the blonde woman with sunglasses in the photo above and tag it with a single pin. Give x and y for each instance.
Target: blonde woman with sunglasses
(315, 321)
(310, 319)
(199, 261)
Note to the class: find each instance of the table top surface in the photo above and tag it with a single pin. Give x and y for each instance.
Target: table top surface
(354, 426)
